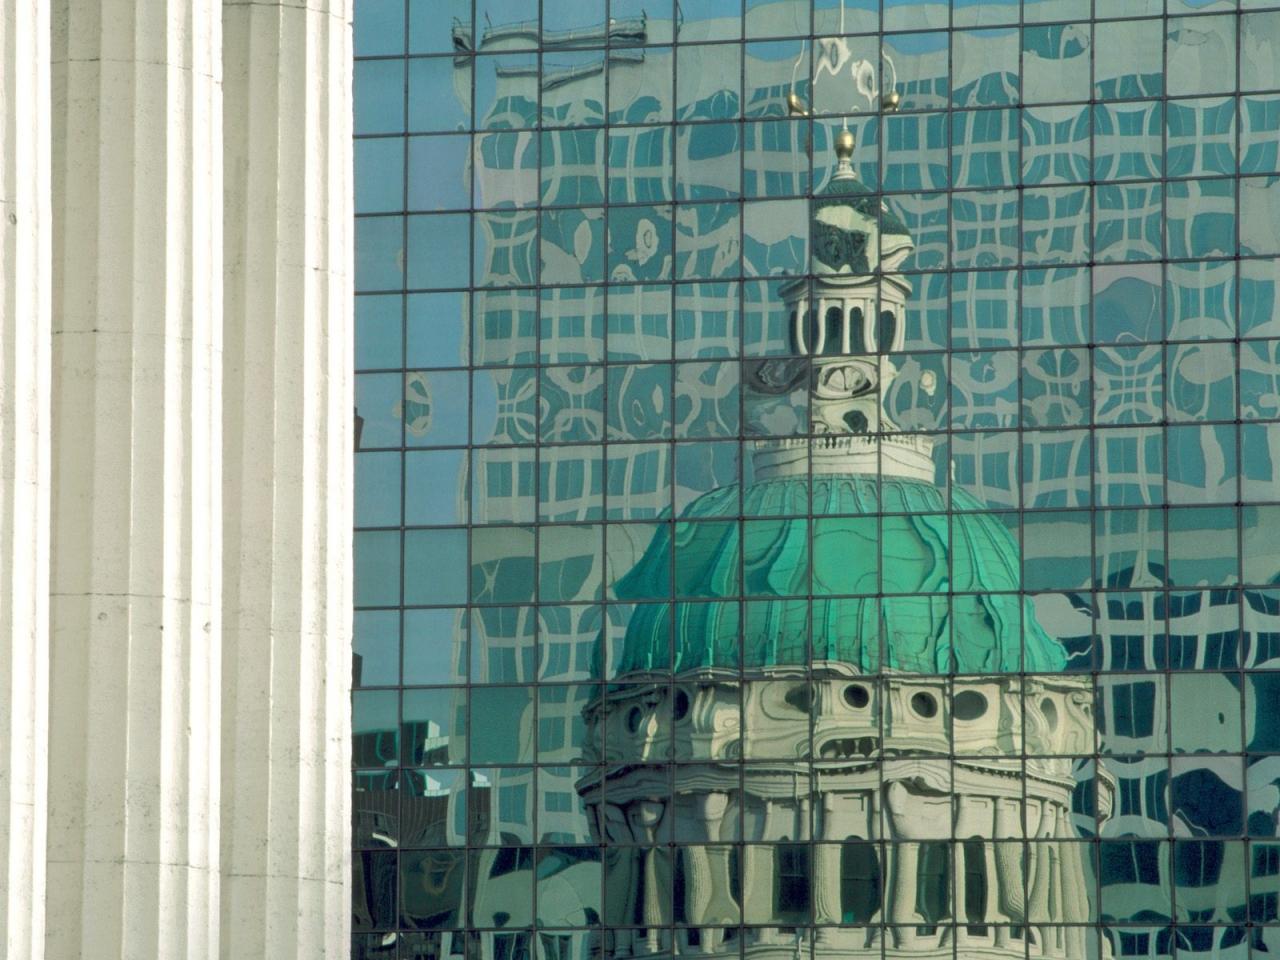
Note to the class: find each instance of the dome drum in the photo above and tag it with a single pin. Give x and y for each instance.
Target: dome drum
(839, 717)
(872, 758)
(903, 836)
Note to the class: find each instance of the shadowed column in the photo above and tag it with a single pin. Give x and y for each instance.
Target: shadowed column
(287, 483)
(136, 532)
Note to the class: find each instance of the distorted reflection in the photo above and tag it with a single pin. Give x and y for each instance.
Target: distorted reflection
(818, 485)
(830, 754)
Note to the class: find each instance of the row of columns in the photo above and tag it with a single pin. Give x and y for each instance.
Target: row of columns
(175, 443)
(853, 339)
(1054, 884)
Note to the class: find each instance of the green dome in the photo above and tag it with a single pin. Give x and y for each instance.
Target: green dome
(914, 626)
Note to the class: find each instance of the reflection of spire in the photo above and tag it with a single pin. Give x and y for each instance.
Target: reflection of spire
(877, 86)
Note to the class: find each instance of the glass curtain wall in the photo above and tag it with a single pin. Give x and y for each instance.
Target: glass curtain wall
(818, 479)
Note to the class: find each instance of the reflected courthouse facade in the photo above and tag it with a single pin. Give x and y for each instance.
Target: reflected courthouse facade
(818, 479)
(849, 807)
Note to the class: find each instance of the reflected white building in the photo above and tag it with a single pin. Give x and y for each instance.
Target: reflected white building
(983, 390)
(848, 794)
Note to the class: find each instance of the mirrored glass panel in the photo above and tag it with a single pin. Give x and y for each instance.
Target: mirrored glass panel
(817, 480)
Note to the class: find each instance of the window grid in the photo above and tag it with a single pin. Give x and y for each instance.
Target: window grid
(1138, 481)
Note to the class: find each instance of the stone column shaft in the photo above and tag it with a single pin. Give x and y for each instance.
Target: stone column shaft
(992, 912)
(25, 384)
(706, 868)
(1075, 896)
(287, 478)
(827, 908)
(758, 877)
(1039, 870)
(800, 328)
(902, 902)
(723, 909)
(1010, 884)
(698, 883)
(652, 910)
(136, 541)
(1056, 906)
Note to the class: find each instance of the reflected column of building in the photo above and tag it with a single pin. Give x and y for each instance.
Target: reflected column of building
(706, 875)
(826, 879)
(610, 825)
(1075, 898)
(758, 876)
(974, 820)
(905, 867)
(25, 385)
(136, 538)
(800, 322)
(1006, 866)
(1044, 888)
(645, 817)
(287, 490)
(875, 833)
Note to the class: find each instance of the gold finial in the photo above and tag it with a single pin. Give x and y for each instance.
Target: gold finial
(890, 102)
(844, 146)
(795, 106)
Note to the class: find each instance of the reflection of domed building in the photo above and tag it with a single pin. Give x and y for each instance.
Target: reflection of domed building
(812, 725)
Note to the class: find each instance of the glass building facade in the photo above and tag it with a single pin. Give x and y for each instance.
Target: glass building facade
(818, 479)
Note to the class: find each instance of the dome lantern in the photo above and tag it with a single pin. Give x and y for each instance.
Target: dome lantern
(886, 628)
(848, 317)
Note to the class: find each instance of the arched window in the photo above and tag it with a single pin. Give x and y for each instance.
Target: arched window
(886, 330)
(834, 342)
(860, 896)
(933, 873)
(856, 344)
(680, 886)
(975, 886)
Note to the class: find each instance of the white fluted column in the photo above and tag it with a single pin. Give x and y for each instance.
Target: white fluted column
(1008, 859)
(706, 874)
(759, 873)
(902, 828)
(1045, 897)
(800, 327)
(136, 539)
(902, 901)
(654, 892)
(24, 473)
(288, 470)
